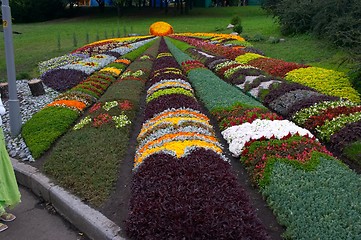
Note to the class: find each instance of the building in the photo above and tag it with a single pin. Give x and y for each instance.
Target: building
(95, 3)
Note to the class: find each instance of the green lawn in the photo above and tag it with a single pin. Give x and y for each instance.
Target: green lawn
(42, 41)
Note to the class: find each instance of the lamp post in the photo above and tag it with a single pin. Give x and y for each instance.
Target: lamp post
(14, 107)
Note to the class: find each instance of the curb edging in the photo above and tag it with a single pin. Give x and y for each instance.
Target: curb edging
(88, 220)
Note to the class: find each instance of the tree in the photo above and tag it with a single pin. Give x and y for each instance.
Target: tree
(119, 4)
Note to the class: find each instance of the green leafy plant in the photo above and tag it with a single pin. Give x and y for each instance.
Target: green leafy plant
(235, 20)
(238, 28)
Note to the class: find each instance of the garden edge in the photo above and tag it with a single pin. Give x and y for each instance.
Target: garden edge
(88, 220)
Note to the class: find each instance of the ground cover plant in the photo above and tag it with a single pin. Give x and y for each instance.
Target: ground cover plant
(292, 99)
(293, 172)
(183, 186)
(86, 160)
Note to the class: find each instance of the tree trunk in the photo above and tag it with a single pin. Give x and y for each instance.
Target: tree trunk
(4, 90)
(36, 87)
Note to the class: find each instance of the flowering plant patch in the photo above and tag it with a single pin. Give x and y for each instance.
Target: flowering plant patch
(193, 64)
(302, 115)
(72, 104)
(275, 67)
(332, 126)
(57, 62)
(238, 115)
(238, 136)
(326, 81)
(328, 115)
(112, 70)
(257, 153)
(247, 57)
(100, 118)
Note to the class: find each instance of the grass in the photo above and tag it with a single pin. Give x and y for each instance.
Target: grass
(42, 41)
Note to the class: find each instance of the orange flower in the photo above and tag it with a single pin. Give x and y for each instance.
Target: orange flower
(73, 104)
(125, 61)
(160, 29)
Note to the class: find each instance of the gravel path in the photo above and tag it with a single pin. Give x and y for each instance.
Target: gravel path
(29, 105)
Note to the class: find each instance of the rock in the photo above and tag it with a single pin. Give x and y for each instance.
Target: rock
(282, 40)
(234, 33)
(230, 26)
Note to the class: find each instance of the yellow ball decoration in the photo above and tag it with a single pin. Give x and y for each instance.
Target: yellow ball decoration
(160, 29)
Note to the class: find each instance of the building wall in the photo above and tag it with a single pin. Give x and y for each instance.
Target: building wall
(95, 4)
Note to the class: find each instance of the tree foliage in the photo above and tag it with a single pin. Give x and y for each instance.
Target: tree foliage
(39, 10)
(339, 21)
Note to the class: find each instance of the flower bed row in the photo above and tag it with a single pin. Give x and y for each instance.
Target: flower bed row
(54, 120)
(67, 76)
(311, 193)
(331, 119)
(183, 187)
(86, 51)
(337, 84)
(99, 142)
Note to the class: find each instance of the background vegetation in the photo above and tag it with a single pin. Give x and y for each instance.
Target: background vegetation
(44, 40)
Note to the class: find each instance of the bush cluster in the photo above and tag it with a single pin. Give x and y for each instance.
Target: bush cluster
(39, 10)
(336, 20)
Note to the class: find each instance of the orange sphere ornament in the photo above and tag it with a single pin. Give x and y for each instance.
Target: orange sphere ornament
(160, 29)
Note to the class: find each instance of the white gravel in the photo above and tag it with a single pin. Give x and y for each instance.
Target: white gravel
(29, 105)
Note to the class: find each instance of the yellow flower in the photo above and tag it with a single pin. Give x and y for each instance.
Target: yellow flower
(178, 147)
(326, 81)
(112, 70)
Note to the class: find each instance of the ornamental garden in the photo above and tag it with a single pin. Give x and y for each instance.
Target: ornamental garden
(185, 106)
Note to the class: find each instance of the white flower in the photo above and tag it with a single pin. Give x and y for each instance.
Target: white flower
(238, 136)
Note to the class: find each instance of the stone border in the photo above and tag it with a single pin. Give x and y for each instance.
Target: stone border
(93, 223)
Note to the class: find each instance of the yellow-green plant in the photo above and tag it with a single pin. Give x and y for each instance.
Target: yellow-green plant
(326, 81)
(246, 58)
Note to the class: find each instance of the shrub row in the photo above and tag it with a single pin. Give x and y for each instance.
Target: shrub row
(182, 186)
(299, 178)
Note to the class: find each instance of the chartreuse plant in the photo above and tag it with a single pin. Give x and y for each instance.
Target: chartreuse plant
(326, 81)
(245, 58)
(46, 126)
(87, 158)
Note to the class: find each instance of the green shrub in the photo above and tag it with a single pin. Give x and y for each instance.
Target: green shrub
(39, 10)
(235, 20)
(41, 131)
(238, 28)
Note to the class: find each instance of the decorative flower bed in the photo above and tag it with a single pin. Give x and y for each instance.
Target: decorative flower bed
(287, 99)
(97, 145)
(67, 76)
(39, 135)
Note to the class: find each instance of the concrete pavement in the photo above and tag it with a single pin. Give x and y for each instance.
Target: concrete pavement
(35, 220)
(86, 219)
